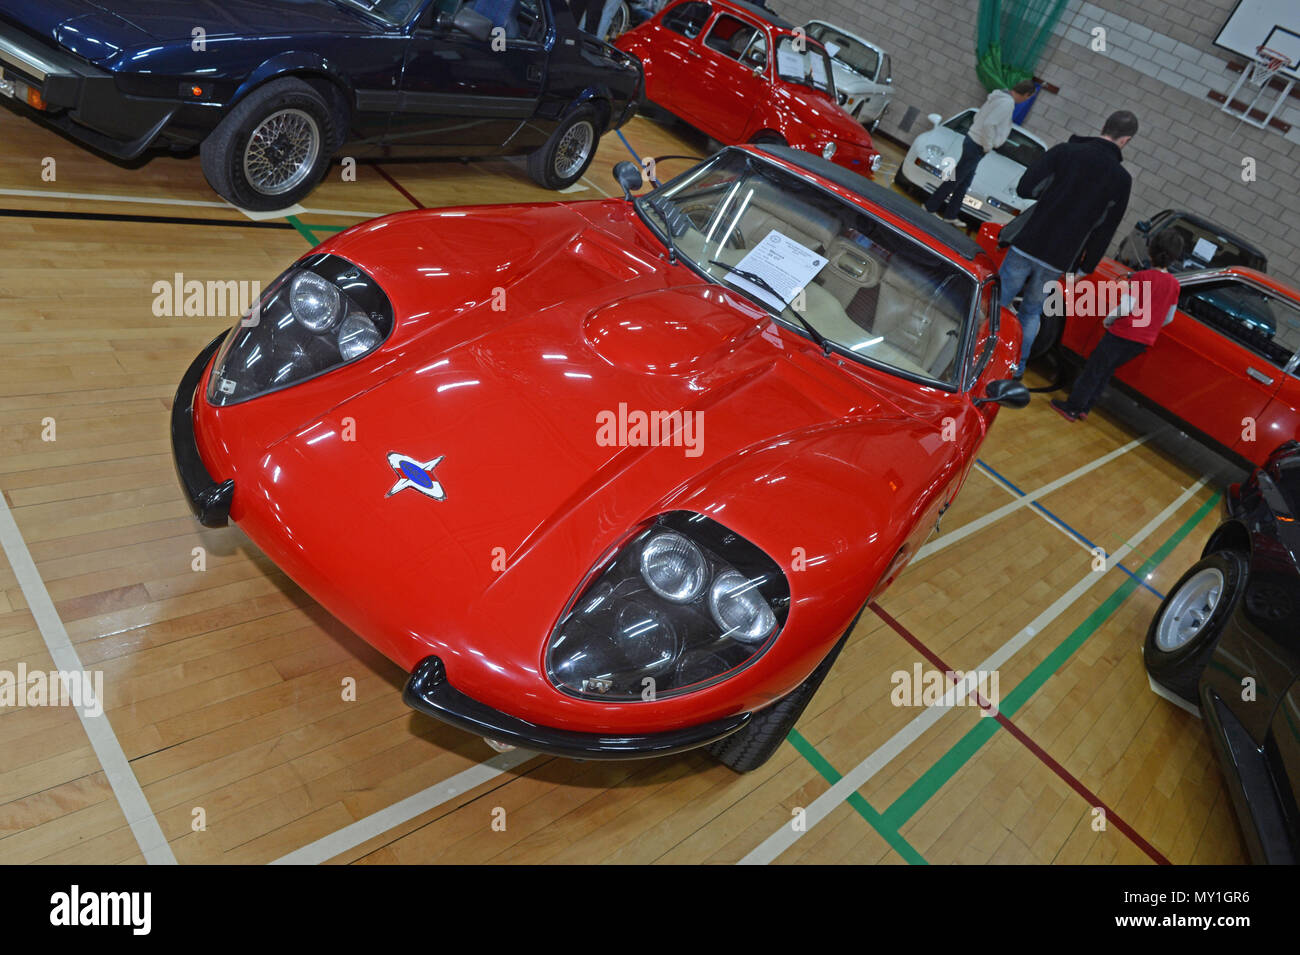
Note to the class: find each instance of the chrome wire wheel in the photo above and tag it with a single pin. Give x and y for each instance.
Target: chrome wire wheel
(574, 148)
(1189, 610)
(282, 151)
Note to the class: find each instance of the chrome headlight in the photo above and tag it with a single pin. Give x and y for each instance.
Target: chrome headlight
(933, 153)
(322, 313)
(684, 604)
(828, 151)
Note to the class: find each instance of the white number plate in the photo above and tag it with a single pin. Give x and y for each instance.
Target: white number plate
(972, 203)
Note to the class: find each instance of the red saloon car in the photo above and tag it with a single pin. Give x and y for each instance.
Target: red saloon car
(1225, 369)
(743, 75)
(609, 478)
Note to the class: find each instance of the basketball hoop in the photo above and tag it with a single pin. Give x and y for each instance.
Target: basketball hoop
(1258, 74)
(1266, 66)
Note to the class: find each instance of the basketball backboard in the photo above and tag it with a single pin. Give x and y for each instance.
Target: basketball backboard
(1274, 24)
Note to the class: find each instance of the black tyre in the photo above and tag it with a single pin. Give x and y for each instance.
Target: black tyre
(1050, 329)
(754, 745)
(769, 139)
(562, 160)
(1185, 630)
(272, 149)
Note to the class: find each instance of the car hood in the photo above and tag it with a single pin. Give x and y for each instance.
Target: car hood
(849, 81)
(531, 414)
(996, 175)
(99, 31)
(816, 110)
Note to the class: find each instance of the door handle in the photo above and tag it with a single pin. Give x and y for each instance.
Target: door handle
(694, 53)
(1259, 376)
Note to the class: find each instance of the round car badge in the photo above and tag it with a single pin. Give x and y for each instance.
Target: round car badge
(416, 475)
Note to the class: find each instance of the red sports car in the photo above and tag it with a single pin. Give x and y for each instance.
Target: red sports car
(743, 75)
(1224, 369)
(609, 478)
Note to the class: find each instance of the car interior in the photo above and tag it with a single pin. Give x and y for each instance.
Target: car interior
(1249, 316)
(880, 295)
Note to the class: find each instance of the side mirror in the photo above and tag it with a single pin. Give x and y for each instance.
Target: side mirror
(935, 119)
(628, 176)
(1005, 391)
(1143, 227)
(467, 21)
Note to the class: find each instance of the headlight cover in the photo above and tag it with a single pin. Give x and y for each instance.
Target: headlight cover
(829, 150)
(933, 153)
(322, 313)
(685, 603)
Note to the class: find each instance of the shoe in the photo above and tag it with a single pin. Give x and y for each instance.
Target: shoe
(1060, 408)
(955, 220)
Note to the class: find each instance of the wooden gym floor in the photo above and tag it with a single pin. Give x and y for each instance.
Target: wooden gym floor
(225, 738)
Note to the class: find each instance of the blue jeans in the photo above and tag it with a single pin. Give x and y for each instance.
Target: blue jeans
(947, 198)
(1019, 273)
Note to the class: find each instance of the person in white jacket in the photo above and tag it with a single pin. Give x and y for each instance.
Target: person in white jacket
(989, 130)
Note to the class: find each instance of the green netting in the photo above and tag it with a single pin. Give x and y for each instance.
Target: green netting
(1011, 37)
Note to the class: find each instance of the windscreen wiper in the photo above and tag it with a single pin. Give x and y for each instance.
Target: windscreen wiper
(766, 286)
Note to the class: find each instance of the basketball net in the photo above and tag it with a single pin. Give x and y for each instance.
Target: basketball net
(1257, 75)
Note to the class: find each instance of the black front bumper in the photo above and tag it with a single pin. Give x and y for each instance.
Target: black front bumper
(209, 500)
(83, 100)
(429, 692)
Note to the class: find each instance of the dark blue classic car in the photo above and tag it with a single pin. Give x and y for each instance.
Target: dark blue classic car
(1227, 639)
(271, 89)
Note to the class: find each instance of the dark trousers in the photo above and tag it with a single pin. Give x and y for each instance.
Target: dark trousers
(1111, 352)
(947, 198)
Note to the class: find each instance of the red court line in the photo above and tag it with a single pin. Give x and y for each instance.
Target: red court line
(1018, 733)
(397, 185)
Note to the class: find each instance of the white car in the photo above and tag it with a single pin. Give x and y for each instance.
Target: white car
(992, 196)
(863, 72)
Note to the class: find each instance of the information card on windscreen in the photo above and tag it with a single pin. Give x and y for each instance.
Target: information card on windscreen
(784, 264)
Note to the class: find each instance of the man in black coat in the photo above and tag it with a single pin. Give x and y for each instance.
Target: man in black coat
(1082, 189)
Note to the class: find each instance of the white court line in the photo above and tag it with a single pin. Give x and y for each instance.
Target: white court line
(190, 203)
(1057, 524)
(130, 797)
(994, 516)
(821, 807)
(376, 824)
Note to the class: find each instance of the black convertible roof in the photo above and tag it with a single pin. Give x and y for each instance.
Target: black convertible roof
(763, 14)
(901, 206)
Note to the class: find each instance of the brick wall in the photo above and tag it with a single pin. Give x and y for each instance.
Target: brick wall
(1160, 61)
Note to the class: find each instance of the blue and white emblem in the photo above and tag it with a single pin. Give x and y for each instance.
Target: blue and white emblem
(417, 475)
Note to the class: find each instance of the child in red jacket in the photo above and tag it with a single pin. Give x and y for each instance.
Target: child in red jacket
(1131, 329)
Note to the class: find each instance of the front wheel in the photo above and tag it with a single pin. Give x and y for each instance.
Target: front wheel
(751, 747)
(566, 155)
(1185, 630)
(271, 150)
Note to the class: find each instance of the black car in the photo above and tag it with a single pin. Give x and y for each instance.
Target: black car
(1227, 638)
(1206, 244)
(272, 89)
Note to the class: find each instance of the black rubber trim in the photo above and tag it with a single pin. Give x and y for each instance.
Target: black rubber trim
(429, 691)
(209, 500)
(1249, 778)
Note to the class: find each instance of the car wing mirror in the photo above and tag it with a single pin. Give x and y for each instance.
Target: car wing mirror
(467, 21)
(629, 177)
(1005, 391)
(935, 119)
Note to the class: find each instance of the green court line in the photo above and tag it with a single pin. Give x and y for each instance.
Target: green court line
(303, 230)
(933, 779)
(856, 800)
(308, 232)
